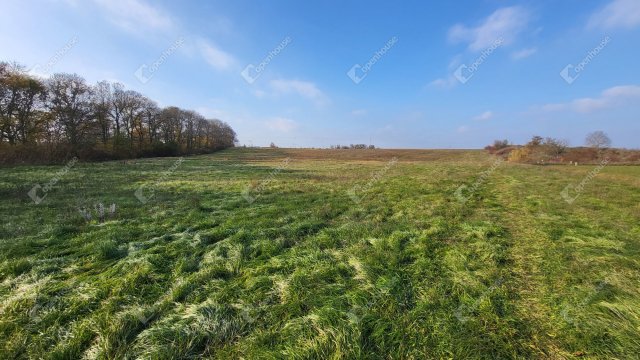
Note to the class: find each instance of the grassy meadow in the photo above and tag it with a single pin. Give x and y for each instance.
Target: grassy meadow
(320, 254)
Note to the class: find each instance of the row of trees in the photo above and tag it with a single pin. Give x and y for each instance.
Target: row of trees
(98, 121)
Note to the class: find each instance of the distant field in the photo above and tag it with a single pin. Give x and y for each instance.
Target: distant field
(279, 253)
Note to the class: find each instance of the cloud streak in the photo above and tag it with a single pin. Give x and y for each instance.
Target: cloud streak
(524, 53)
(617, 14)
(506, 23)
(305, 89)
(281, 124)
(487, 115)
(134, 15)
(610, 97)
(214, 56)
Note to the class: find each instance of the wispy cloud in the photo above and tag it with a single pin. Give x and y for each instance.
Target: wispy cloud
(136, 15)
(305, 89)
(610, 97)
(216, 57)
(359, 112)
(524, 53)
(617, 14)
(487, 115)
(281, 124)
(505, 23)
(462, 129)
(445, 83)
(450, 81)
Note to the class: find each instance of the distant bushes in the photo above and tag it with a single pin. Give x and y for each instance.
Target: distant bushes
(54, 119)
(548, 150)
(353, 146)
(497, 146)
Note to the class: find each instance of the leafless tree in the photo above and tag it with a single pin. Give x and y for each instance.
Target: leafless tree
(598, 139)
(70, 104)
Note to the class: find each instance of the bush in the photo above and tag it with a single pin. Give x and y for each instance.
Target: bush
(497, 145)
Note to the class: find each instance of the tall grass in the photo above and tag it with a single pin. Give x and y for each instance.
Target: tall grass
(410, 271)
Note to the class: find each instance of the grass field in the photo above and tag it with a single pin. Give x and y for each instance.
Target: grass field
(321, 254)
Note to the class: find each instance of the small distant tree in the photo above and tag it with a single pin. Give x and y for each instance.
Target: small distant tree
(273, 146)
(497, 146)
(554, 147)
(535, 141)
(598, 139)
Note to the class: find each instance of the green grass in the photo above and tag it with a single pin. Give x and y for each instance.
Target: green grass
(406, 271)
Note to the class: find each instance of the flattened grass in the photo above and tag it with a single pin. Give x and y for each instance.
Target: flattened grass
(407, 270)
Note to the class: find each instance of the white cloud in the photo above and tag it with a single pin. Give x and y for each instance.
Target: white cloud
(462, 129)
(487, 115)
(524, 53)
(211, 113)
(610, 97)
(445, 83)
(306, 89)
(259, 93)
(505, 23)
(141, 18)
(215, 56)
(281, 124)
(359, 112)
(450, 81)
(134, 15)
(618, 13)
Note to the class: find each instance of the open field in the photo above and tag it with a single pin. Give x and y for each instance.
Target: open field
(277, 253)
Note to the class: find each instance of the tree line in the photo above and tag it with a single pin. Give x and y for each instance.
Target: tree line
(53, 119)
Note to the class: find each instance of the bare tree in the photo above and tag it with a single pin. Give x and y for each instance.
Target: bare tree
(598, 139)
(555, 147)
(102, 103)
(21, 100)
(118, 103)
(133, 108)
(70, 104)
(151, 120)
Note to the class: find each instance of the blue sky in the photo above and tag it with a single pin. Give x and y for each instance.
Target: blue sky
(455, 74)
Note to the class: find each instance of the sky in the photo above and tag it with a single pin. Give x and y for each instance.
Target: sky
(410, 74)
